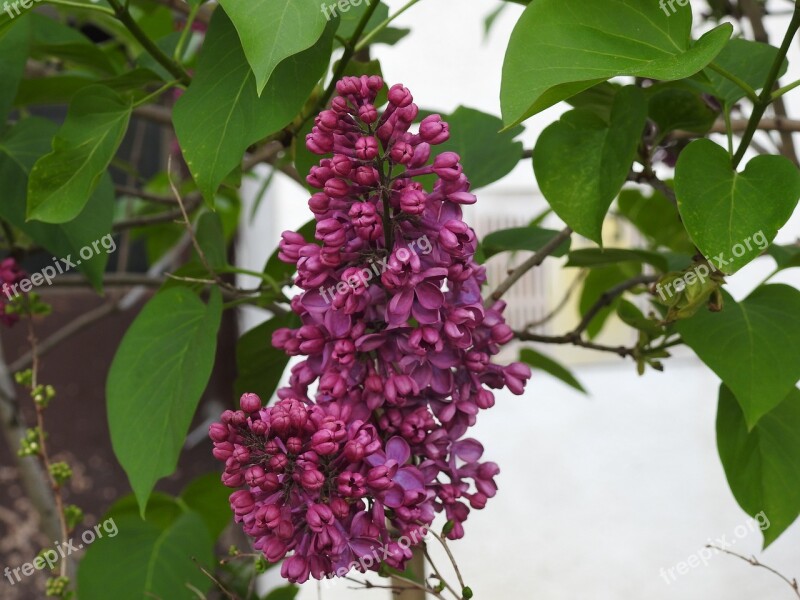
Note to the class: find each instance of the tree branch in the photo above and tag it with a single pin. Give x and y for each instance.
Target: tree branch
(754, 561)
(534, 261)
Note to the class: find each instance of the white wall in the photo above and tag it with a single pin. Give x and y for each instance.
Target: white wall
(599, 493)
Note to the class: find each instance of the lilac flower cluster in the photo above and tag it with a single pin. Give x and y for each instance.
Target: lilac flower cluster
(401, 367)
(10, 273)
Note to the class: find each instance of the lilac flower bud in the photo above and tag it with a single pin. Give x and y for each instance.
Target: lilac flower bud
(401, 152)
(366, 221)
(250, 403)
(433, 130)
(400, 96)
(331, 232)
(368, 113)
(336, 188)
(242, 502)
(447, 166)
(341, 165)
(366, 148)
(218, 432)
(311, 479)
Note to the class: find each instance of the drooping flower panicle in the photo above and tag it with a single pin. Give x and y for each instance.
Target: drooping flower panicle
(397, 342)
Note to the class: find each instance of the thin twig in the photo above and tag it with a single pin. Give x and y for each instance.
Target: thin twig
(607, 297)
(534, 261)
(443, 542)
(221, 587)
(755, 562)
(193, 202)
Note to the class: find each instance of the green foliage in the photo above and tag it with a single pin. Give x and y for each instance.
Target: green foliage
(724, 211)
(753, 346)
(158, 555)
(548, 365)
(762, 463)
(61, 182)
(222, 113)
(635, 38)
(20, 148)
(521, 238)
(295, 25)
(156, 380)
(486, 154)
(581, 161)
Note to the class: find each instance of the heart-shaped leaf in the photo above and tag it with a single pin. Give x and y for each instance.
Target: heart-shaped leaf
(294, 26)
(754, 346)
(582, 161)
(762, 465)
(562, 47)
(731, 216)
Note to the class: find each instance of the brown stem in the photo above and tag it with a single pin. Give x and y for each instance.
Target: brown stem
(534, 261)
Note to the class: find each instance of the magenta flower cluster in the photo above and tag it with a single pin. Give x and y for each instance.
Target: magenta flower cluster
(10, 273)
(397, 345)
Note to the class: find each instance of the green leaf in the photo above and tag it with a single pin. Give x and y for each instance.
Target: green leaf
(273, 30)
(287, 592)
(762, 465)
(61, 182)
(599, 281)
(562, 47)
(748, 60)
(603, 257)
(731, 216)
(753, 346)
(581, 161)
(630, 314)
(521, 238)
(14, 44)
(209, 498)
(153, 558)
(786, 257)
(657, 218)
(486, 155)
(548, 365)
(211, 240)
(156, 379)
(54, 39)
(260, 366)
(221, 114)
(673, 106)
(598, 99)
(20, 148)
